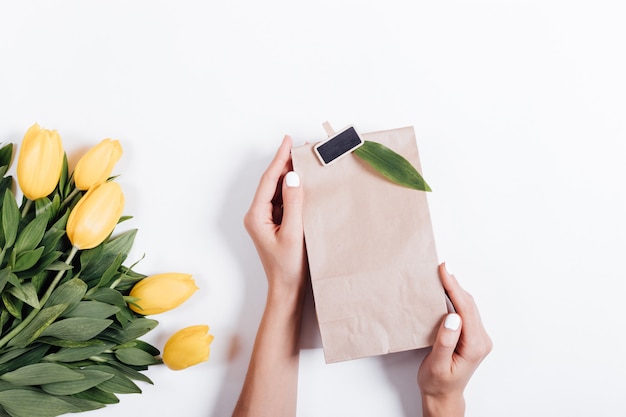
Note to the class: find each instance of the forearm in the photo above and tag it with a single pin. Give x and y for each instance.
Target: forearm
(442, 406)
(270, 387)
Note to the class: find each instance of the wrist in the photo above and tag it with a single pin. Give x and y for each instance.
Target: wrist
(285, 297)
(452, 405)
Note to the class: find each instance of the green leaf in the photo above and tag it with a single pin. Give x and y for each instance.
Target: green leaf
(41, 321)
(91, 379)
(75, 354)
(27, 259)
(13, 305)
(6, 154)
(59, 266)
(26, 403)
(44, 205)
(107, 295)
(10, 219)
(41, 373)
(69, 293)
(140, 344)
(97, 395)
(77, 328)
(133, 330)
(82, 405)
(59, 226)
(119, 384)
(4, 277)
(26, 293)
(130, 372)
(18, 358)
(391, 165)
(44, 263)
(93, 309)
(96, 261)
(32, 234)
(111, 272)
(135, 356)
(51, 239)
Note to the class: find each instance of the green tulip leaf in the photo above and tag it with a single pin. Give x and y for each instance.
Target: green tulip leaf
(107, 295)
(34, 329)
(6, 154)
(4, 277)
(70, 293)
(112, 271)
(81, 404)
(12, 305)
(32, 234)
(119, 384)
(77, 329)
(133, 330)
(135, 356)
(41, 373)
(93, 309)
(58, 266)
(90, 380)
(10, 219)
(97, 395)
(26, 403)
(96, 261)
(17, 358)
(27, 259)
(130, 372)
(74, 354)
(26, 293)
(391, 165)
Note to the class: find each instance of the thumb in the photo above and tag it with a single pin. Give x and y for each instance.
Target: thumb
(447, 339)
(292, 205)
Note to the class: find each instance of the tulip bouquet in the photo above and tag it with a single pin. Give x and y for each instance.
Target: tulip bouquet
(72, 314)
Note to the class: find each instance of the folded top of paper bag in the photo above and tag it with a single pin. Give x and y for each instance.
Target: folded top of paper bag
(371, 252)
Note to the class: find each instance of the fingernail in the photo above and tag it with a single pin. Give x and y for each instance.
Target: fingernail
(445, 265)
(292, 179)
(452, 321)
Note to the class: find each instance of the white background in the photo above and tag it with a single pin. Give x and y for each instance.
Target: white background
(519, 110)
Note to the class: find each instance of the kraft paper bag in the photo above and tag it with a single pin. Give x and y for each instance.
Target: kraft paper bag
(371, 252)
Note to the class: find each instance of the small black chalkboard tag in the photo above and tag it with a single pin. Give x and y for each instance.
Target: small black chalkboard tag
(338, 144)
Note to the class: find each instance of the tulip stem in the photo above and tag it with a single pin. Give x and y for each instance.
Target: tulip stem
(29, 202)
(70, 197)
(42, 302)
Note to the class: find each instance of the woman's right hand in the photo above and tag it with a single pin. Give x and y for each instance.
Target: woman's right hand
(460, 346)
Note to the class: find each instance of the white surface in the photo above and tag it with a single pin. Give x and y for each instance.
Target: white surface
(519, 109)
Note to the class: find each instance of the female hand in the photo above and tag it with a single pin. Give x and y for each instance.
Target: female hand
(274, 222)
(461, 345)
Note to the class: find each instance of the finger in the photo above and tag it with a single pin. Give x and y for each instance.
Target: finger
(461, 300)
(474, 341)
(447, 339)
(291, 224)
(270, 178)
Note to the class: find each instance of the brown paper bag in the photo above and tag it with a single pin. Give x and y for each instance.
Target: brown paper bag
(372, 254)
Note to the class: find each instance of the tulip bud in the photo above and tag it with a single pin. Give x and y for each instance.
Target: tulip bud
(95, 215)
(96, 165)
(40, 162)
(187, 347)
(162, 292)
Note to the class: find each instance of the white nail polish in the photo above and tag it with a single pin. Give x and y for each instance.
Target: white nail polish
(447, 270)
(292, 179)
(452, 321)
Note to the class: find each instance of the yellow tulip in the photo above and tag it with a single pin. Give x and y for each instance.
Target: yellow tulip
(95, 215)
(40, 162)
(96, 165)
(187, 347)
(162, 292)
